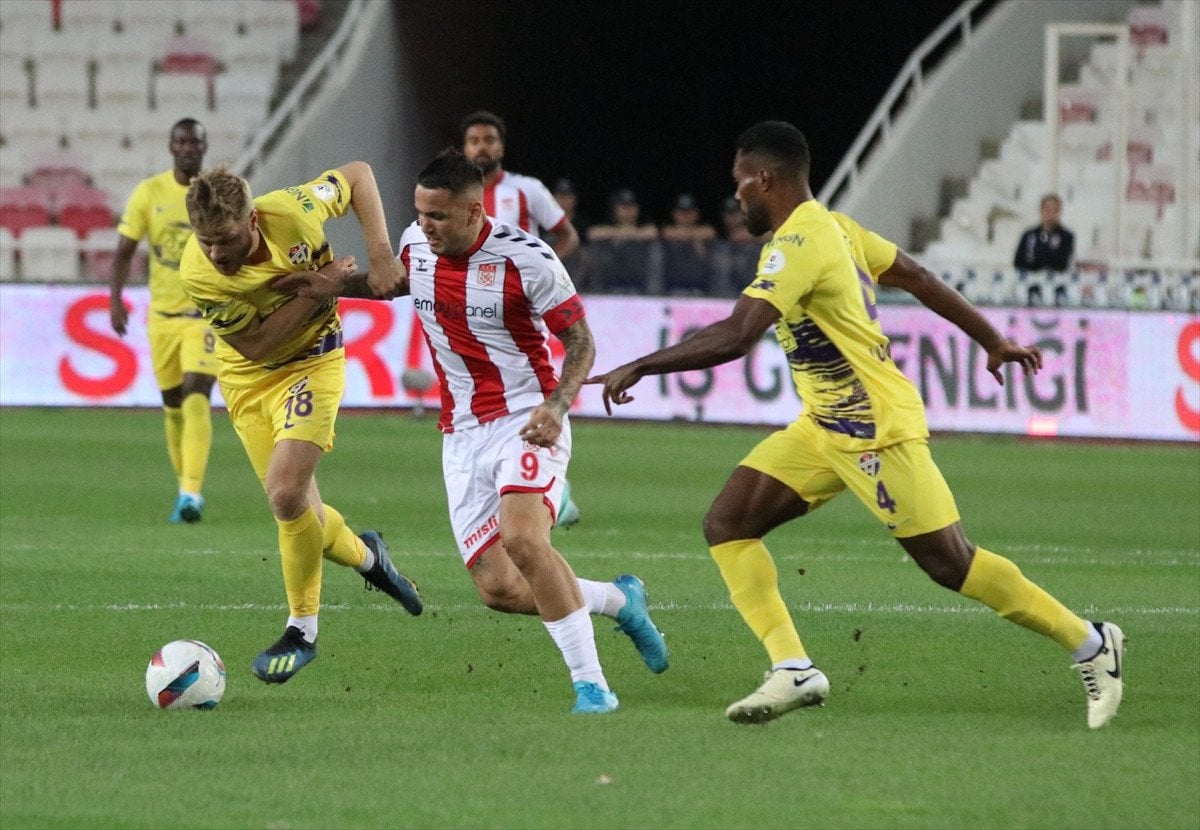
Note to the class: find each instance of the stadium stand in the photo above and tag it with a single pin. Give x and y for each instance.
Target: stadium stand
(49, 254)
(978, 229)
(101, 81)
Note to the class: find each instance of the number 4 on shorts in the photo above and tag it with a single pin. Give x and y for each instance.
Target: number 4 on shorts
(883, 499)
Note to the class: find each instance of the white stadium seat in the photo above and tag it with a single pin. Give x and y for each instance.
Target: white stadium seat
(49, 254)
(8, 251)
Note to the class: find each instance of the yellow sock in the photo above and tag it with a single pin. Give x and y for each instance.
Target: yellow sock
(196, 442)
(300, 554)
(341, 545)
(749, 571)
(174, 427)
(1000, 585)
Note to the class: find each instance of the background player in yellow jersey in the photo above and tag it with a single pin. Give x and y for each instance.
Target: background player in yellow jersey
(181, 343)
(282, 368)
(862, 428)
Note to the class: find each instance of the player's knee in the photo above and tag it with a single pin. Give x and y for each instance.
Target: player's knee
(287, 503)
(523, 544)
(719, 527)
(500, 598)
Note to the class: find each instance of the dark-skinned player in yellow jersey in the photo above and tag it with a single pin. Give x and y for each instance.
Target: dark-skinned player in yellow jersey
(863, 428)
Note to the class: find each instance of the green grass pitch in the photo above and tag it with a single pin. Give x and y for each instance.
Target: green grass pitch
(941, 714)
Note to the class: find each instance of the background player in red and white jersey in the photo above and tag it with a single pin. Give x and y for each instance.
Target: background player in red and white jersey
(510, 197)
(488, 296)
(522, 201)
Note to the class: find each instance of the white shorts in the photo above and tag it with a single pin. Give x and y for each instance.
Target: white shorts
(480, 464)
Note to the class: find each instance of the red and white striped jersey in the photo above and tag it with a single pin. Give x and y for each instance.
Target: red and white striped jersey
(524, 202)
(487, 316)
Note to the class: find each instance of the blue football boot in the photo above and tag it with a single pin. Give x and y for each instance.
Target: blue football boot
(634, 620)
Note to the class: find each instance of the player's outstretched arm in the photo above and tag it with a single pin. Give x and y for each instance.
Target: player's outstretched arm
(385, 272)
(319, 286)
(907, 274)
(264, 335)
(712, 345)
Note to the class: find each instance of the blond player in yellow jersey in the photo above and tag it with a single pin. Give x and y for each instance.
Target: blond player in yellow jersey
(181, 344)
(282, 369)
(862, 428)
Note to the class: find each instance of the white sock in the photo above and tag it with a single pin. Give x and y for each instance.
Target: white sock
(307, 625)
(368, 561)
(603, 598)
(576, 639)
(793, 665)
(1090, 647)
(194, 496)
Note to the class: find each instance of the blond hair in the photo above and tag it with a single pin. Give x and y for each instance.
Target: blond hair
(217, 197)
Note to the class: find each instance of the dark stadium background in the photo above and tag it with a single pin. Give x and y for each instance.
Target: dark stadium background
(652, 95)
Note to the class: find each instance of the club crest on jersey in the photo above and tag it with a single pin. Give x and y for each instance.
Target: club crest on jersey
(298, 254)
(486, 274)
(869, 463)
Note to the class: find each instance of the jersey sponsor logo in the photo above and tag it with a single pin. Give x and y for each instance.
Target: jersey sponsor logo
(298, 254)
(774, 264)
(486, 274)
(564, 280)
(323, 191)
(484, 531)
(870, 463)
(300, 197)
(793, 238)
(421, 265)
(455, 310)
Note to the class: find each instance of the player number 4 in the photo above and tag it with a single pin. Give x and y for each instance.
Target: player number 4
(884, 500)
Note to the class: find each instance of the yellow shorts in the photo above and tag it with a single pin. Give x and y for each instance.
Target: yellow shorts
(179, 346)
(899, 484)
(299, 403)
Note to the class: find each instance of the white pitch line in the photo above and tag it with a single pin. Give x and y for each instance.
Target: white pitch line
(803, 608)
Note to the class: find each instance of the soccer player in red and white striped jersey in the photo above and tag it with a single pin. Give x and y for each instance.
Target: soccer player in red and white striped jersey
(488, 296)
(519, 200)
(524, 202)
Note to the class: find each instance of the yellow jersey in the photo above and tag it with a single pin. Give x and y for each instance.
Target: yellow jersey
(156, 211)
(820, 270)
(292, 222)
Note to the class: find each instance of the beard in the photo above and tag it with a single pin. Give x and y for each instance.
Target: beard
(757, 220)
(488, 166)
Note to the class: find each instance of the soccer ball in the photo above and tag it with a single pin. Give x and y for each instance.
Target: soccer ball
(185, 674)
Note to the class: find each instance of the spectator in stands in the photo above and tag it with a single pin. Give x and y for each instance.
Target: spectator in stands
(181, 343)
(626, 255)
(525, 203)
(564, 193)
(1047, 246)
(521, 201)
(625, 220)
(736, 253)
(578, 263)
(687, 249)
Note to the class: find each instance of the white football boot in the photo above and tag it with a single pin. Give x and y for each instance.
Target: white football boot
(1101, 676)
(782, 691)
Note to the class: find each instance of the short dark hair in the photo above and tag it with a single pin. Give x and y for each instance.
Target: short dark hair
(483, 117)
(187, 124)
(452, 171)
(779, 140)
(1050, 197)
